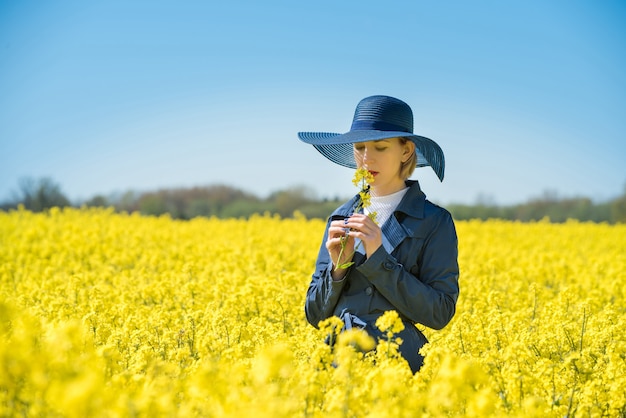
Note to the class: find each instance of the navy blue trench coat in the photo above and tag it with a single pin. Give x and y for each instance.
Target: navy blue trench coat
(415, 272)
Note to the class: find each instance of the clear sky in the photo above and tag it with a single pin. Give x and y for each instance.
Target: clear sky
(107, 96)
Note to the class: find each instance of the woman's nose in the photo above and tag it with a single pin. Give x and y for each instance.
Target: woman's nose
(366, 155)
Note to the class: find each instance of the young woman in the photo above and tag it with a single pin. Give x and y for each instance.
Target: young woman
(407, 259)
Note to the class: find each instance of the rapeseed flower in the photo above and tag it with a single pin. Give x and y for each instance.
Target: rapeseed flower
(362, 178)
(109, 314)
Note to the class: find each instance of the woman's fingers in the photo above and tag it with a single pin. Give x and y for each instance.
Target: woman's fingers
(338, 235)
(361, 223)
(364, 228)
(338, 229)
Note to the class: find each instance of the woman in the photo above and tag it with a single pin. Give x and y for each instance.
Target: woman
(407, 259)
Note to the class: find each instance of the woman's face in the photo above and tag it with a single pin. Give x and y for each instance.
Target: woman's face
(383, 159)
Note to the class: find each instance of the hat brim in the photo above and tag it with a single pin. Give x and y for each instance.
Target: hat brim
(338, 147)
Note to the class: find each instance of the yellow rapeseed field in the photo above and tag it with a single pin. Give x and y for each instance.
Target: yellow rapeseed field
(105, 314)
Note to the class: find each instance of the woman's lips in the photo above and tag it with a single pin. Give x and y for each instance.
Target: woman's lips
(373, 173)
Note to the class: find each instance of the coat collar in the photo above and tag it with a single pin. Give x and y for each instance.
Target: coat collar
(414, 200)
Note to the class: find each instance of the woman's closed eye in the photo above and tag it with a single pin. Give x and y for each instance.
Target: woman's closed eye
(361, 148)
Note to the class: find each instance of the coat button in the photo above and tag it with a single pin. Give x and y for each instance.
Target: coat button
(389, 265)
(368, 291)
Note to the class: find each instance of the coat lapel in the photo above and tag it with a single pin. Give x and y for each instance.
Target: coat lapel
(393, 234)
(411, 210)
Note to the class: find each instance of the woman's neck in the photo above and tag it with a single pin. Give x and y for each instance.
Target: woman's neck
(386, 191)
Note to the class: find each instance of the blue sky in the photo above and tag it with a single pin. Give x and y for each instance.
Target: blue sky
(109, 96)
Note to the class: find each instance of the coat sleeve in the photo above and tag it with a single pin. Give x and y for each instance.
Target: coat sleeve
(324, 292)
(429, 299)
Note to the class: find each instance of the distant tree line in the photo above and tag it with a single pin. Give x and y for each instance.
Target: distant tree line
(227, 202)
(557, 210)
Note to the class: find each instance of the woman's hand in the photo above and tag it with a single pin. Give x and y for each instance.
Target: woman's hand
(364, 228)
(338, 233)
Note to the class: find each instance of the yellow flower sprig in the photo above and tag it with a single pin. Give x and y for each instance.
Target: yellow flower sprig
(390, 324)
(362, 178)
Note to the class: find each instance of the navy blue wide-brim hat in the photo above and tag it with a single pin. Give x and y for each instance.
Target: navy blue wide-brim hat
(376, 118)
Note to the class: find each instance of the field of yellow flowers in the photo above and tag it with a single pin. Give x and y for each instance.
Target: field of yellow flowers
(105, 314)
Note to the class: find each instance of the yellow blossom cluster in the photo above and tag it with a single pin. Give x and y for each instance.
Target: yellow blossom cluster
(362, 179)
(105, 314)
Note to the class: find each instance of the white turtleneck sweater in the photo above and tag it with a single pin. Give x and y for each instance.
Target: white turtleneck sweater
(384, 206)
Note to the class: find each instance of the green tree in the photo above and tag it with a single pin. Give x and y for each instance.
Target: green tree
(618, 208)
(41, 194)
(287, 201)
(99, 201)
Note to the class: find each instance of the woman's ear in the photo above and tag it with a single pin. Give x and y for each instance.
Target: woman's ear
(409, 149)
